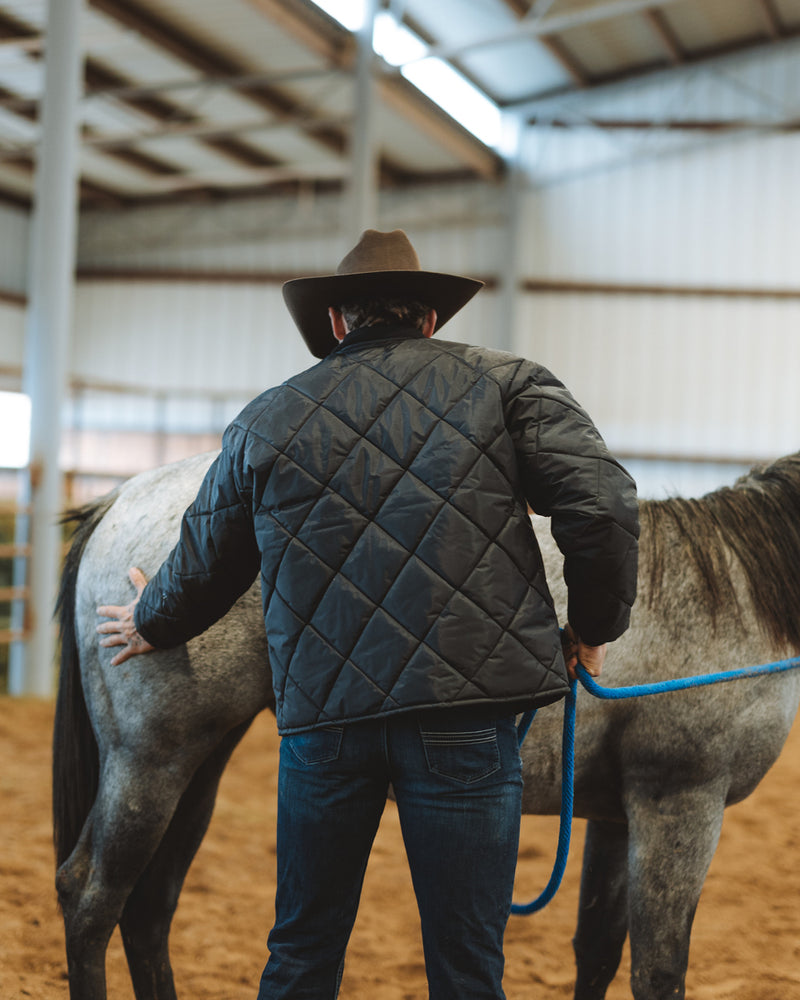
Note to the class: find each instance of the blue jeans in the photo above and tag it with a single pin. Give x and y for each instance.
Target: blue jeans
(457, 779)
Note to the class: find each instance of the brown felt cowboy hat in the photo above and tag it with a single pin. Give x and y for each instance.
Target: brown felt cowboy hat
(380, 265)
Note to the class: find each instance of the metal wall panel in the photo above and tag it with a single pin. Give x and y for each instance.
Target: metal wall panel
(14, 227)
(11, 335)
(185, 336)
(703, 377)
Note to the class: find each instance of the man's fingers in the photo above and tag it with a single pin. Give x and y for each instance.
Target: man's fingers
(112, 610)
(137, 578)
(114, 640)
(112, 626)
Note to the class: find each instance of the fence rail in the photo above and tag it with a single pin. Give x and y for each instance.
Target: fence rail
(14, 594)
(14, 624)
(10, 550)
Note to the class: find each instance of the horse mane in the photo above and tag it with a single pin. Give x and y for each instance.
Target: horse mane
(758, 521)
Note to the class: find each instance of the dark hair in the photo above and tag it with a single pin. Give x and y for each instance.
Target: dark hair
(384, 312)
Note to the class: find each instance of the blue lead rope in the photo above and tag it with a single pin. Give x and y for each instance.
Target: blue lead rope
(682, 683)
(565, 822)
(568, 747)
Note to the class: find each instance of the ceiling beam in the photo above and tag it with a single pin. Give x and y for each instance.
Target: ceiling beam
(99, 79)
(657, 20)
(28, 43)
(430, 118)
(707, 60)
(550, 24)
(311, 29)
(668, 124)
(258, 176)
(211, 62)
(566, 59)
(208, 61)
(394, 91)
(770, 17)
(209, 131)
(212, 83)
(517, 7)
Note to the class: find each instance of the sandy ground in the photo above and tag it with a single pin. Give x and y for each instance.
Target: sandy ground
(746, 941)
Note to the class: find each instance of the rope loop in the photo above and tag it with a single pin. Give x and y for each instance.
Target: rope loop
(568, 747)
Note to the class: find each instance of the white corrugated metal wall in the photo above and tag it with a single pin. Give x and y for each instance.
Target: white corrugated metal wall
(699, 376)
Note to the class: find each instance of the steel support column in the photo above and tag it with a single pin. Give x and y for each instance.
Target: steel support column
(362, 205)
(511, 266)
(47, 333)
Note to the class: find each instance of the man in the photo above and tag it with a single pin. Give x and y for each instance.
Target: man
(383, 496)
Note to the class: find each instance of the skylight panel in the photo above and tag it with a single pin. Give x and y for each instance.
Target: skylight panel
(438, 80)
(349, 13)
(458, 97)
(395, 43)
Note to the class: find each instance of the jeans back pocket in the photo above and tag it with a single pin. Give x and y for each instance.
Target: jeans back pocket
(316, 746)
(462, 752)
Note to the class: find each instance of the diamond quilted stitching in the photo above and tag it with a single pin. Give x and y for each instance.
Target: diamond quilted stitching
(324, 445)
(498, 576)
(354, 692)
(343, 611)
(417, 596)
(330, 527)
(437, 391)
(384, 647)
(364, 477)
(449, 542)
(374, 562)
(445, 459)
(408, 511)
(301, 564)
(402, 428)
(458, 627)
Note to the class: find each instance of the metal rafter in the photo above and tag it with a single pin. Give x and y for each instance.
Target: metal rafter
(571, 65)
(552, 24)
(706, 59)
(295, 18)
(566, 59)
(666, 36)
(200, 58)
(210, 61)
(518, 7)
(717, 125)
(770, 17)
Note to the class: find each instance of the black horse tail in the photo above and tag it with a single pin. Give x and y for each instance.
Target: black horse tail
(76, 767)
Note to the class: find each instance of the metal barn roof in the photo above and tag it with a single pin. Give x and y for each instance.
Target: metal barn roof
(199, 99)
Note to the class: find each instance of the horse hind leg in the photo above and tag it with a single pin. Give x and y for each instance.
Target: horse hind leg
(602, 910)
(129, 817)
(148, 912)
(673, 837)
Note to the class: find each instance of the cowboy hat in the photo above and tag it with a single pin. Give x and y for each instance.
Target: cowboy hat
(380, 265)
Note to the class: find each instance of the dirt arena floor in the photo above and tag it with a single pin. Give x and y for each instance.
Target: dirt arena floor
(746, 941)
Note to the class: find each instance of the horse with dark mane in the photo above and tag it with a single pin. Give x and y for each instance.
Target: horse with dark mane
(139, 749)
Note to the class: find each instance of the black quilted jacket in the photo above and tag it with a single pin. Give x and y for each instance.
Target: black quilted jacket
(383, 496)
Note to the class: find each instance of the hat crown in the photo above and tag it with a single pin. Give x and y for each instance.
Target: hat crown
(376, 251)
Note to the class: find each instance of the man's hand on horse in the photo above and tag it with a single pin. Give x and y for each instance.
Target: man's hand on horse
(122, 630)
(591, 658)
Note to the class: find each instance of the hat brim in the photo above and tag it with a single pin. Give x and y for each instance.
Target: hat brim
(308, 299)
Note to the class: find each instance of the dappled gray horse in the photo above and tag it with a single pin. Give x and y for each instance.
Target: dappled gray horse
(139, 749)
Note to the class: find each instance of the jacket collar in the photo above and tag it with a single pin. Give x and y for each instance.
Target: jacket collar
(377, 335)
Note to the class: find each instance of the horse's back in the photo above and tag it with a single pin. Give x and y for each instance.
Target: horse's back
(195, 691)
(729, 733)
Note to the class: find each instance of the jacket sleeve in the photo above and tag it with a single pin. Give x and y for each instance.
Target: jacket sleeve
(569, 475)
(214, 563)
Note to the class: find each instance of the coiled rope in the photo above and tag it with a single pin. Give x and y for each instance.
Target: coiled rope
(568, 747)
